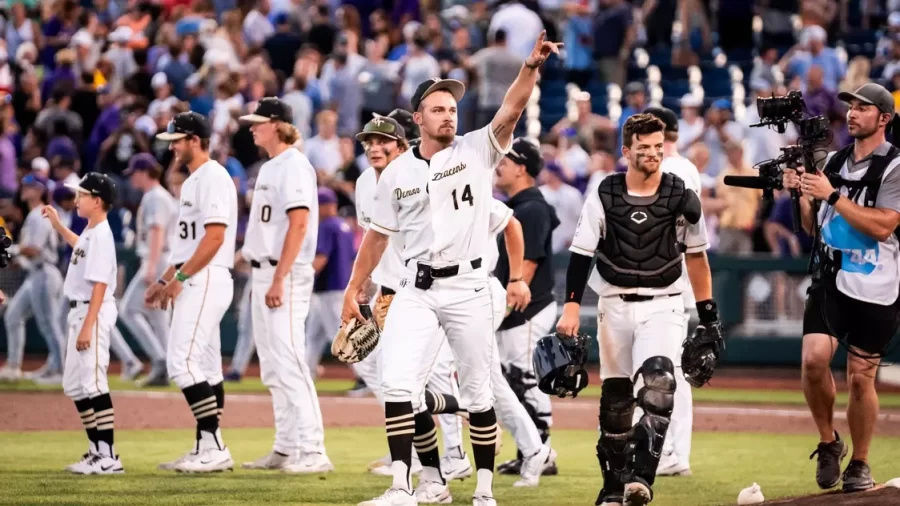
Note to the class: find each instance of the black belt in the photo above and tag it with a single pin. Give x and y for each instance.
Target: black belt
(178, 266)
(633, 297)
(450, 270)
(387, 291)
(257, 265)
(74, 303)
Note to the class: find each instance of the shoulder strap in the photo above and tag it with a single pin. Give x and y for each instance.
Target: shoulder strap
(836, 163)
(871, 180)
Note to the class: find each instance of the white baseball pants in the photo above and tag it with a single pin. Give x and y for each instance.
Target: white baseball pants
(117, 344)
(281, 345)
(149, 327)
(461, 305)
(443, 380)
(631, 332)
(37, 297)
(194, 354)
(84, 373)
(324, 322)
(517, 350)
(510, 412)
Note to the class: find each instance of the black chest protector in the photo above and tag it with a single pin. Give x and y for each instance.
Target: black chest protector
(640, 247)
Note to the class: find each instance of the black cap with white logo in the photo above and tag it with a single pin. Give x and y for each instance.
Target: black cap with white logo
(185, 124)
(270, 109)
(456, 88)
(527, 153)
(666, 115)
(405, 119)
(98, 185)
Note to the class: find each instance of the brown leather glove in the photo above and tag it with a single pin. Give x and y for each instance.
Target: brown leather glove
(382, 304)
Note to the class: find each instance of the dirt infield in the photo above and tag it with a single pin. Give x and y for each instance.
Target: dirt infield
(882, 497)
(163, 410)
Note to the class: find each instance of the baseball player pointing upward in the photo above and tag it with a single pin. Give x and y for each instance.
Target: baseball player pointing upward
(280, 246)
(198, 283)
(437, 197)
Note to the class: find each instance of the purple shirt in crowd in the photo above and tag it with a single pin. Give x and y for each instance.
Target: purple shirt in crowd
(7, 164)
(336, 243)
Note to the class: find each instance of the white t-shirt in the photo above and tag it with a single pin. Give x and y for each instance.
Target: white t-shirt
(592, 227)
(37, 232)
(93, 261)
(158, 209)
(442, 207)
(208, 196)
(324, 154)
(686, 170)
(284, 183)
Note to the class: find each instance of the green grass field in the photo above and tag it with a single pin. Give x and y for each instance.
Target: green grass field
(330, 386)
(723, 464)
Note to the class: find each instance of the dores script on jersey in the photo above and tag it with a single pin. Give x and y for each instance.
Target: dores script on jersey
(208, 196)
(286, 182)
(441, 207)
(93, 261)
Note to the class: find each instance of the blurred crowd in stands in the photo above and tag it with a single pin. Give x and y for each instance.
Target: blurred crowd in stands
(85, 85)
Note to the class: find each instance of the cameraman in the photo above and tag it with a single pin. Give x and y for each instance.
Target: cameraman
(855, 200)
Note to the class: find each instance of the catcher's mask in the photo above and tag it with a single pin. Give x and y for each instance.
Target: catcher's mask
(559, 364)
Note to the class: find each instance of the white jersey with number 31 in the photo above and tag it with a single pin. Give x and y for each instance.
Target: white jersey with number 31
(208, 196)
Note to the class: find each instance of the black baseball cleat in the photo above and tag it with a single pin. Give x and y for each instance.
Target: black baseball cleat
(607, 498)
(510, 467)
(550, 470)
(828, 467)
(857, 477)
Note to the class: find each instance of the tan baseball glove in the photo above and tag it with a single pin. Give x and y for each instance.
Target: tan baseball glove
(355, 340)
(382, 305)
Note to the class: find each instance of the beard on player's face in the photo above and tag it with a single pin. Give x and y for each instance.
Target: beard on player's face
(646, 161)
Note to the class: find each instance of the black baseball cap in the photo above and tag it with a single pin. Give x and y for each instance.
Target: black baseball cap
(525, 152)
(456, 88)
(185, 124)
(270, 109)
(666, 115)
(405, 118)
(96, 184)
(382, 126)
(872, 94)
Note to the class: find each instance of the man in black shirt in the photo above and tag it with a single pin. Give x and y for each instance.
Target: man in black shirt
(520, 331)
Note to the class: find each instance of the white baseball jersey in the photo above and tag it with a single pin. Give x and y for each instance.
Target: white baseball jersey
(37, 232)
(284, 183)
(390, 270)
(442, 206)
(93, 261)
(207, 196)
(158, 209)
(591, 228)
(686, 170)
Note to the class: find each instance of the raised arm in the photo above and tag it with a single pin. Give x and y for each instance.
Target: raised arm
(517, 96)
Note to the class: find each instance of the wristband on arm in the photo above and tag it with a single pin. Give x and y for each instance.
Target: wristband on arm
(707, 311)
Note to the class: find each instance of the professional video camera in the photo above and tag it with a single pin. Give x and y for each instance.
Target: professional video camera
(5, 243)
(812, 133)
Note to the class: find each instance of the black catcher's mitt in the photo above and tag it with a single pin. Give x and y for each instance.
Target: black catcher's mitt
(701, 352)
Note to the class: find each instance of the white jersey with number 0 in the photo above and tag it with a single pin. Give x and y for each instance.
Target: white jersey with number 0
(442, 207)
(158, 209)
(93, 261)
(286, 182)
(208, 196)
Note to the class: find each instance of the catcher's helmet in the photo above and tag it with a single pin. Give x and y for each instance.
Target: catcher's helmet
(559, 364)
